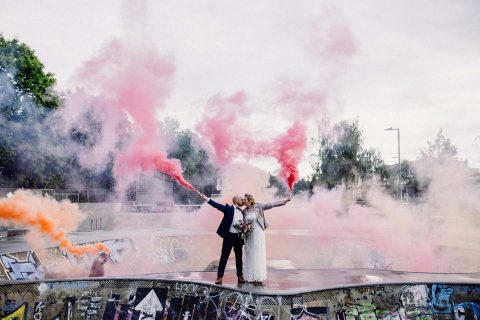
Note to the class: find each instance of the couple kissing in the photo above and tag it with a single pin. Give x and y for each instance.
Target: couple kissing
(231, 229)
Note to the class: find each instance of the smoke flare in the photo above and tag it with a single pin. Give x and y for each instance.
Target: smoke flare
(172, 168)
(47, 215)
(133, 81)
(290, 147)
(229, 140)
(148, 160)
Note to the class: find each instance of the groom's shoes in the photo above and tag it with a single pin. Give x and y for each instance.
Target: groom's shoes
(241, 280)
(218, 281)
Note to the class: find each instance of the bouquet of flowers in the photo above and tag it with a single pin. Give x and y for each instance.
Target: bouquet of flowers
(244, 228)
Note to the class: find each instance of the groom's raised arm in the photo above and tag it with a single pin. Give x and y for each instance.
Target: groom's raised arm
(214, 204)
(217, 205)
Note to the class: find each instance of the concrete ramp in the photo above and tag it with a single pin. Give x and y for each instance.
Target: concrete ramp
(343, 294)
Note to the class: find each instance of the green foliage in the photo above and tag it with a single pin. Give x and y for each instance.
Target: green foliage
(411, 184)
(440, 148)
(440, 152)
(304, 185)
(32, 153)
(196, 166)
(274, 182)
(410, 181)
(342, 158)
(29, 78)
(415, 182)
(25, 100)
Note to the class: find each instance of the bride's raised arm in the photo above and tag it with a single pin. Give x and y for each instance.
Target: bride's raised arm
(274, 204)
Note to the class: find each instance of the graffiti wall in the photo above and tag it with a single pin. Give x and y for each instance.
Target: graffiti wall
(38, 298)
(30, 265)
(117, 299)
(143, 255)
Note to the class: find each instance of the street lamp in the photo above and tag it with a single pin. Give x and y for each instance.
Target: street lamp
(399, 163)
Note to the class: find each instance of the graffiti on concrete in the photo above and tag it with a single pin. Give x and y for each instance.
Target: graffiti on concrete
(19, 313)
(146, 303)
(150, 303)
(167, 250)
(27, 266)
(89, 306)
(309, 313)
(137, 299)
(38, 310)
(16, 268)
(117, 299)
(116, 247)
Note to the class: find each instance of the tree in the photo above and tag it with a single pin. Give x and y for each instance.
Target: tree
(196, 166)
(342, 158)
(409, 180)
(440, 148)
(33, 152)
(26, 98)
(371, 164)
(282, 190)
(26, 72)
(437, 155)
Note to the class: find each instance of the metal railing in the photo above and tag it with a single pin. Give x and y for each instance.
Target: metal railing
(77, 196)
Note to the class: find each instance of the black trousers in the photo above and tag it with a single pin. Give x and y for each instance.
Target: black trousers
(231, 240)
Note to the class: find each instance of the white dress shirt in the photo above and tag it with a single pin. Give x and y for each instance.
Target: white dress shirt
(237, 216)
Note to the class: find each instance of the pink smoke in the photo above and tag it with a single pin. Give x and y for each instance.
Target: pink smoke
(331, 39)
(219, 125)
(150, 160)
(289, 150)
(229, 139)
(330, 44)
(131, 83)
(299, 102)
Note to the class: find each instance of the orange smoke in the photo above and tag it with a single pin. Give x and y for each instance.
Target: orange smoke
(50, 217)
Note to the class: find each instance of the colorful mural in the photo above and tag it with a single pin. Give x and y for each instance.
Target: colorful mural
(119, 299)
(37, 298)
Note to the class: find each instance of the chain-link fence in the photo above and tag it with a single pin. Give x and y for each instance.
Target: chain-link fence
(150, 194)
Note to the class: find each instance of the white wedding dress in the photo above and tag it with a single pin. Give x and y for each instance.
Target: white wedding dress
(255, 265)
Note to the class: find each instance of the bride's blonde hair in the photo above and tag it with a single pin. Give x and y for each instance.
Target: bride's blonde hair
(249, 198)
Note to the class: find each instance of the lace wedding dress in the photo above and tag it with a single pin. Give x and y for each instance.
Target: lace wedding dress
(255, 265)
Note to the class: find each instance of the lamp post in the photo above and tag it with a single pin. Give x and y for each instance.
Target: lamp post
(399, 163)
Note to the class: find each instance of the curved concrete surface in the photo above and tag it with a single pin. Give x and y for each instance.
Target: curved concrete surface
(289, 293)
(344, 294)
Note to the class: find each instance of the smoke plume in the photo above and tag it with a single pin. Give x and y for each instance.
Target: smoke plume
(222, 128)
(130, 83)
(51, 218)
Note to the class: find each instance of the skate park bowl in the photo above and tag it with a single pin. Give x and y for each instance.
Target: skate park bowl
(302, 294)
(33, 287)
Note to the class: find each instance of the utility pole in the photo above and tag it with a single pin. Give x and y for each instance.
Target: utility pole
(399, 162)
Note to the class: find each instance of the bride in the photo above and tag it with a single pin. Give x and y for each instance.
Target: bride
(255, 267)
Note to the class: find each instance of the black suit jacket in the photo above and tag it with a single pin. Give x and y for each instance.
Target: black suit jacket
(228, 212)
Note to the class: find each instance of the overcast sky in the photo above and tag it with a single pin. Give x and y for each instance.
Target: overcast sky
(413, 65)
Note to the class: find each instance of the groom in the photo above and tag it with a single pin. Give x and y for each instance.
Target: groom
(231, 239)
